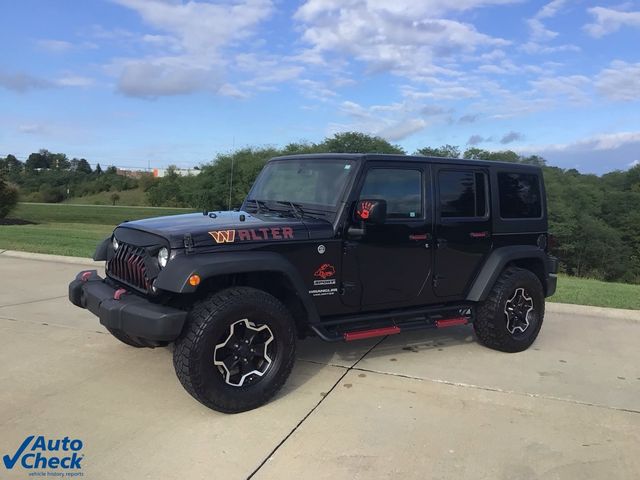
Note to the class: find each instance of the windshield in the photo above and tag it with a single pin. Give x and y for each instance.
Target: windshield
(317, 183)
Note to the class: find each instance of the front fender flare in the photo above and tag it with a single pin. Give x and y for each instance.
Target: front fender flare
(175, 276)
(495, 264)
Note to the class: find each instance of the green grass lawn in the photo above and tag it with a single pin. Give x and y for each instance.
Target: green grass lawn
(127, 197)
(72, 230)
(75, 230)
(585, 291)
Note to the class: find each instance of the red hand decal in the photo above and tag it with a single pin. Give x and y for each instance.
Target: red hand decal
(364, 209)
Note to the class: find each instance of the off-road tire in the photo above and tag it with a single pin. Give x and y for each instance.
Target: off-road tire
(490, 323)
(209, 320)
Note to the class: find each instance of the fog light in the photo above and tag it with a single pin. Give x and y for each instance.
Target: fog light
(194, 280)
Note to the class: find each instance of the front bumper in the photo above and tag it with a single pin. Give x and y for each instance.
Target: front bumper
(131, 313)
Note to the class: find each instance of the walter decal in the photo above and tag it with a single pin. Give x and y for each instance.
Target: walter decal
(252, 234)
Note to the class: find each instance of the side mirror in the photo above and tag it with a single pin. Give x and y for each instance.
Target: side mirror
(371, 211)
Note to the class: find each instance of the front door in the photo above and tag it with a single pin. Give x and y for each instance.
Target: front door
(463, 227)
(390, 264)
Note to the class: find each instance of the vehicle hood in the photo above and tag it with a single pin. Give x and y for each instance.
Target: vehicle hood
(226, 228)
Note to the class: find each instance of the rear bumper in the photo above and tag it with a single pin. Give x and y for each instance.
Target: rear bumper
(134, 315)
(552, 278)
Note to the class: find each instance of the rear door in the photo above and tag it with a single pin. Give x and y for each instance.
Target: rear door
(463, 227)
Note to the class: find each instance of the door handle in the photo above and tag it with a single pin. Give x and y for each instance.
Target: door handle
(420, 236)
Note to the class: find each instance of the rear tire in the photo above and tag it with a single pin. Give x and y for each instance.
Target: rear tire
(510, 318)
(237, 349)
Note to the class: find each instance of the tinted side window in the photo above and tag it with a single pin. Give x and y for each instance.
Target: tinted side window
(401, 188)
(462, 194)
(519, 195)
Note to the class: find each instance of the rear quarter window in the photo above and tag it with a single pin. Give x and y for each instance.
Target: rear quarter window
(520, 195)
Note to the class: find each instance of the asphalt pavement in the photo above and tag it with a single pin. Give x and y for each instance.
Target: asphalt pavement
(430, 404)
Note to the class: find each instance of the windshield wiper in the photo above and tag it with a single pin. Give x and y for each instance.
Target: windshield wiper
(260, 204)
(299, 212)
(296, 209)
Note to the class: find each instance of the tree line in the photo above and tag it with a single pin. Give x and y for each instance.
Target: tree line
(595, 219)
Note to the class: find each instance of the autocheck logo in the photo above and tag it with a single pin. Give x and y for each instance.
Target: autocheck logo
(40, 453)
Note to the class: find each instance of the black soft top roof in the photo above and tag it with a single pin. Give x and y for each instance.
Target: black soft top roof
(363, 157)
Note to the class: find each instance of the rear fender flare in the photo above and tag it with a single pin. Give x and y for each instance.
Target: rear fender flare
(496, 263)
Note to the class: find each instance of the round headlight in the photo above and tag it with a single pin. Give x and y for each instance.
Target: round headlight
(163, 257)
(115, 243)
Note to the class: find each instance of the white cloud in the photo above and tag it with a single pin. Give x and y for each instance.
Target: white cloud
(635, 163)
(540, 34)
(74, 81)
(54, 46)
(402, 129)
(393, 122)
(476, 140)
(406, 37)
(469, 118)
(538, 48)
(22, 82)
(597, 153)
(166, 76)
(572, 87)
(599, 142)
(608, 20)
(551, 9)
(621, 81)
(32, 128)
(63, 46)
(511, 137)
(191, 47)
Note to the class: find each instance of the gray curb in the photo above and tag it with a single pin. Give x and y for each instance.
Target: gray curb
(51, 258)
(590, 311)
(551, 307)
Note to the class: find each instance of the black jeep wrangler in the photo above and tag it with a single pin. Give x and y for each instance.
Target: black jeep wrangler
(340, 246)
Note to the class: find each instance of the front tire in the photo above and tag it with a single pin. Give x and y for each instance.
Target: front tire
(237, 350)
(510, 318)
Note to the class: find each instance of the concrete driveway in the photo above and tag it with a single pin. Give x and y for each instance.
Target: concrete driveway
(430, 404)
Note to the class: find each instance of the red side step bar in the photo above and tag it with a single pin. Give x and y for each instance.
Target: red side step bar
(376, 332)
(450, 322)
(381, 332)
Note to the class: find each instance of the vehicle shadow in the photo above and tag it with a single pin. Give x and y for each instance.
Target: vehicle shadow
(313, 355)
(428, 342)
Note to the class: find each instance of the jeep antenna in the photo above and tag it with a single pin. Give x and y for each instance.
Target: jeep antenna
(231, 174)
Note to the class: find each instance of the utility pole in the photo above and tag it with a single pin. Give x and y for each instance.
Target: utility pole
(231, 175)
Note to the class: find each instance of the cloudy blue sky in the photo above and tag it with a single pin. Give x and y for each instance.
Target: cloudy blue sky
(137, 82)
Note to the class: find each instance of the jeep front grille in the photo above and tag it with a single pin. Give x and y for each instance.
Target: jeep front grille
(128, 266)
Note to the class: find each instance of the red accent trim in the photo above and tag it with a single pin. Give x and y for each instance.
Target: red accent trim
(85, 276)
(450, 322)
(376, 332)
(118, 293)
(422, 236)
(479, 234)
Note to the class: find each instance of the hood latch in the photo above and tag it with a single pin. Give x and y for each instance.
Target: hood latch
(188, 243)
